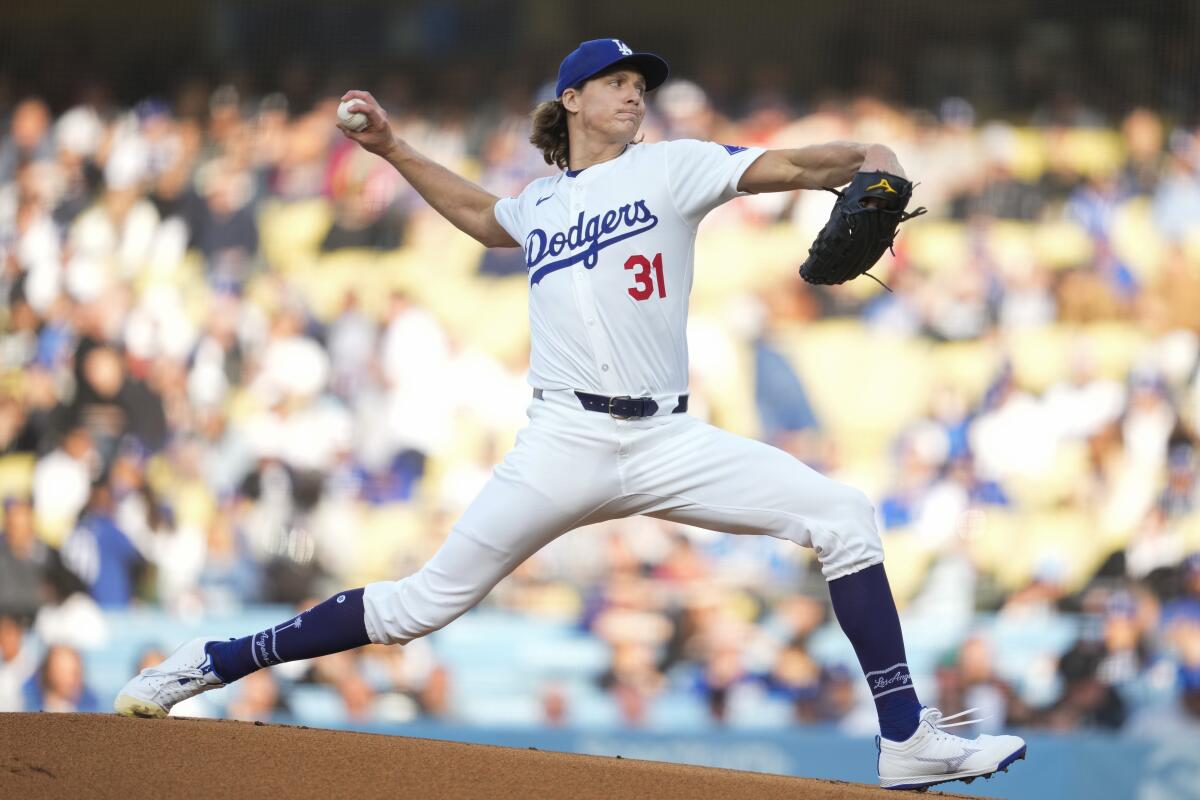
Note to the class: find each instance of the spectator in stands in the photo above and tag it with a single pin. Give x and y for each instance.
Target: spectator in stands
(918, 456)
(413, 355)
(77, 135)
(836, 697)
(1142, 130)
(555, 705)
(225, 228)
(961, 310)
(1087, 701)
(1190, 683)
(1094, 205)
(37, 399)
(18, 342)
(405, 682)
(260, 699)
(783, 406)
(1155, 544)
(352, 341)
(364, 191)
(1188, 642)
(1012, 434)
(1175, 295)
(683, 564)
(110, 404)
(29, 137)
(951, 502)
(32, 572)
(59, 684)
(1187, 604)
(102, 554)
(633, 681)
(796, 677)
(1132, 661)
(697, 612)
(1176, 202)
(358, 698)
(275, 503)
(723, 672)
(1084, 403)
(18, 661)
(1041, 597)
(230, 577)
(1000, 194)
(1023, 290)
(982, 688)
(1180, 635)
(218, 356)
(1181, 496)
(112, 239)
(62, 481)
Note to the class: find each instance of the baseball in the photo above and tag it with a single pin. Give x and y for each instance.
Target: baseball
(354, 120)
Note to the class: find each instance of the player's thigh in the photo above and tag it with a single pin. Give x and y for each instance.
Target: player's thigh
(714, 479)
(556, 478)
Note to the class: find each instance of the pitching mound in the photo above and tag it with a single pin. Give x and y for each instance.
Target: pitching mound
(103, 756)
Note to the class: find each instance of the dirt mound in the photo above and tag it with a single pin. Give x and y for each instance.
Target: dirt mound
(103, 756)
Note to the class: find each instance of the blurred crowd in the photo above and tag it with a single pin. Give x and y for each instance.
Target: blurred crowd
(194, 417)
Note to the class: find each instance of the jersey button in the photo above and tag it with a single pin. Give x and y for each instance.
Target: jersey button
(604, 367)
(591, 320)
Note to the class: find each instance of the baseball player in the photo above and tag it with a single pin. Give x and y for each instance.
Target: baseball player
(609, 246)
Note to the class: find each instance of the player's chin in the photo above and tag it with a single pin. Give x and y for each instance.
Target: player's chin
(628, 124)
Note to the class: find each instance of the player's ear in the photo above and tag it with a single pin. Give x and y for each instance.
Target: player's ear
(570, 99)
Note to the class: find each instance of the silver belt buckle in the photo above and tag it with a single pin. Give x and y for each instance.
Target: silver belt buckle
(612, 400)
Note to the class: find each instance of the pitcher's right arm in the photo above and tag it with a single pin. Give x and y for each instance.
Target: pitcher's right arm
(467, 206)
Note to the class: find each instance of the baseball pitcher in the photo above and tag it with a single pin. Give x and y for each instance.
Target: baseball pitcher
(609, 244)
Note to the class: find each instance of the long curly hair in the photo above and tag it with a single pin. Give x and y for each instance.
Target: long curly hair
(550, 133)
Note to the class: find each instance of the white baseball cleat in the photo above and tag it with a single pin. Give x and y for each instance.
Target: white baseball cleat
(931, 756)
(185, 673)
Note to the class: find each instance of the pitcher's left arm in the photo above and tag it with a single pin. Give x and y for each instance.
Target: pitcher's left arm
(816, 166)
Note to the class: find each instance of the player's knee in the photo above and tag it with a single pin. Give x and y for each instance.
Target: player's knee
(400, 611)
(853, 541)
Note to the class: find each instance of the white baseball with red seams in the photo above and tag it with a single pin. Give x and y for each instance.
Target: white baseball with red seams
(354, 120)
(609, 252)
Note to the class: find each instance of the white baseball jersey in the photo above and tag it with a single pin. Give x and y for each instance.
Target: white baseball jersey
(609, 251)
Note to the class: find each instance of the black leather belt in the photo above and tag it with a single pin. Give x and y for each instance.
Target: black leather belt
(623, 407)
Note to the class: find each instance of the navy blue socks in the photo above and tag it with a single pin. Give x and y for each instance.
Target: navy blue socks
(866, 611)
(330, 627)
(862, 603)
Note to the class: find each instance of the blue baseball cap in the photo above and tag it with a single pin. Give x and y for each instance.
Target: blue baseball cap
(597, 55)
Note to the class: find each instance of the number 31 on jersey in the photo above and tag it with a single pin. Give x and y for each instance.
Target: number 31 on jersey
(646, 281)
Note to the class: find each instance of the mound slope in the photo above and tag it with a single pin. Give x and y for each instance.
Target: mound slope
(104, 756)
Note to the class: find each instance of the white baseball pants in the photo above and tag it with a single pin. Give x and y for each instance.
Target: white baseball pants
(571, 467)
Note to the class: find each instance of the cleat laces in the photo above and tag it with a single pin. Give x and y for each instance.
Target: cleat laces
(941, 722)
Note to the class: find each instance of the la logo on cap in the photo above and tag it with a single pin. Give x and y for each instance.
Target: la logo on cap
(623, 48)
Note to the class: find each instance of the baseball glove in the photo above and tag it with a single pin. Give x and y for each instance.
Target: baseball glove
(863, 224)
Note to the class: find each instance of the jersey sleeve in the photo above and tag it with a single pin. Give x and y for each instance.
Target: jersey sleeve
(508, 214)
(703, 175)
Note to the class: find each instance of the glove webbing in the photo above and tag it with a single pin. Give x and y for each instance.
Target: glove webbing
(905, 216)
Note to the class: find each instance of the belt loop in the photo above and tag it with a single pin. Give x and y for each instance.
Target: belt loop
(537, 394)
